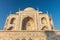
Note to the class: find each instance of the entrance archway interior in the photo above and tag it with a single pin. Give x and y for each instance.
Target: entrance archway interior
(28, 23)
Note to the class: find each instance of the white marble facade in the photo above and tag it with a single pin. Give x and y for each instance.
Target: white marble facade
(29, 24)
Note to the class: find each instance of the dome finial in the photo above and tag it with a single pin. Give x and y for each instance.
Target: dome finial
(19, 9)
(10, 12)
(37, 9)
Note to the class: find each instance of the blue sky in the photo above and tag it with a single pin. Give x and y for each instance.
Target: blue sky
(53, 7)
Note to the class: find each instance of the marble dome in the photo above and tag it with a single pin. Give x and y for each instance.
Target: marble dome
(29, 9)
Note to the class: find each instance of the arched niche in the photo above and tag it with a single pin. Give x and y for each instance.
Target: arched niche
(51, 27)
(23, 39)
(12, 21)
(10, 28)
(45, 28)
(28, 23)
(29, 39)
(43, 20)
(17, 39)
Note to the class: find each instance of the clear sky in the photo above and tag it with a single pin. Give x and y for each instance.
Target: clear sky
(53, 7)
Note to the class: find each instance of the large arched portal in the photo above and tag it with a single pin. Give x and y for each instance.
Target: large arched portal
(28, 24)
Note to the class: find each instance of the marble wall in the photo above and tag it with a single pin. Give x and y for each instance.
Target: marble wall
(29, 35)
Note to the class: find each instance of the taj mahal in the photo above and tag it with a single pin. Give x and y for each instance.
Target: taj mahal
(29, 24)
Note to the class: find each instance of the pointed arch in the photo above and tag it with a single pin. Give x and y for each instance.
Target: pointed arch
(12, 20)
(27, 23)
(10, 28)
(30, 39)
(23, 39)
(43, 20)
(45, 28)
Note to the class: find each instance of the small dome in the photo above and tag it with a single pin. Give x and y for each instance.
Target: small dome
(29, 9)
